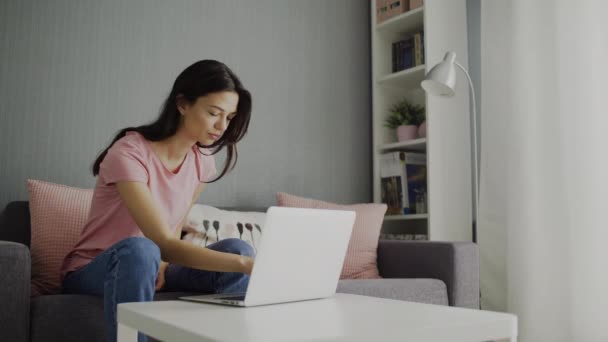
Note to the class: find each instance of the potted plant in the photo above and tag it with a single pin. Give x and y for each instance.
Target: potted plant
(405, 117)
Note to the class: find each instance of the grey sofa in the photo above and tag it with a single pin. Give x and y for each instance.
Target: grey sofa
(430, 272)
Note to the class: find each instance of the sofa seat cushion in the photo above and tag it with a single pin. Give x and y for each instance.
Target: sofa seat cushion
(429, 291)
(69, 318)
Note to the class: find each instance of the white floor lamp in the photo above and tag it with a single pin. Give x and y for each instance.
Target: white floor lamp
(440, 81)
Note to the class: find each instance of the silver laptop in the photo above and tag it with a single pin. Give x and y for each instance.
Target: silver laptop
(300, 257)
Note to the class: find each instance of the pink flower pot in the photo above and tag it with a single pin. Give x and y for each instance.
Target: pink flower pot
(406, 132)
(422, 130)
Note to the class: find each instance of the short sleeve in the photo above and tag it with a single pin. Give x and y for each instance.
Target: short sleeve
(206, 166)
(125, 161)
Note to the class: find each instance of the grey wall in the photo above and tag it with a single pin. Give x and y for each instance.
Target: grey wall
(75, 72)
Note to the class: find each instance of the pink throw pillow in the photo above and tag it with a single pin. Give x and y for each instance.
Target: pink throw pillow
(361, 256)
(58, 214)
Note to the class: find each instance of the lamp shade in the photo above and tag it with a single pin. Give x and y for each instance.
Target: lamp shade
(440, 80)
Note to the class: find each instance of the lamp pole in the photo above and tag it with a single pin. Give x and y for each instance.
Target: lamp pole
(441, 81)
(475, 158)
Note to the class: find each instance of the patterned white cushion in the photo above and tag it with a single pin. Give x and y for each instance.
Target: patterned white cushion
(206, 225)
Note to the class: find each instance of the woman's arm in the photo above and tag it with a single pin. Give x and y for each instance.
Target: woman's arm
(178, 233)
(146, 215)
(180, 227)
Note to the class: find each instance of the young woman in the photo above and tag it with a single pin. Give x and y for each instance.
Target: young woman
(147, 180)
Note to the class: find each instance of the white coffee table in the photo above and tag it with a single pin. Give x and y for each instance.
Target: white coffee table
(343, 317)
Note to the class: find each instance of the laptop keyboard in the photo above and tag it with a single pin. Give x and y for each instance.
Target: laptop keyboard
(239, 297)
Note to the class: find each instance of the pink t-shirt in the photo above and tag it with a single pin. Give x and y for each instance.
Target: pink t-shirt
(131, 158)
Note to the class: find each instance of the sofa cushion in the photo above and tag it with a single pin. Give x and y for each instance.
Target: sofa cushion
(206, 225)
(67, 317)
(361, 256)
(58, 213)
(429, 291)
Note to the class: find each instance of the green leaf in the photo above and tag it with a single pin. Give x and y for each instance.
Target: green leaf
(404, 113)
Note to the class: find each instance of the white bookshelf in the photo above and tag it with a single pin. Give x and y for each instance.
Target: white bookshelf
(405, 79)
(447, 145)
(418, 145)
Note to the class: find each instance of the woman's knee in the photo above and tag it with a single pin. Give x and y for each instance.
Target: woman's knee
(237, 246)
(141, 252)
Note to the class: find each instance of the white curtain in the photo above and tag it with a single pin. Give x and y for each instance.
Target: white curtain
(543, 226)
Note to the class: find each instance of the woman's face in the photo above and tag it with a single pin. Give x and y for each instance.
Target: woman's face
(208, 118)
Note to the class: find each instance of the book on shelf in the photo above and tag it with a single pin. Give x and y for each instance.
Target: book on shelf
(403, 182)
(419, 48)
(403, 55)
(408, 52)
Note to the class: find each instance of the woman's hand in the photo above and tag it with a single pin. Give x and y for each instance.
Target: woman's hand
(160, 278)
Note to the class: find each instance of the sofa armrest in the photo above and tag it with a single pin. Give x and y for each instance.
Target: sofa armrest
(455, 263)
(15, 268)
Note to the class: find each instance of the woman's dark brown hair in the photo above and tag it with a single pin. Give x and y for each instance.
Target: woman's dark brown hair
(199, 79)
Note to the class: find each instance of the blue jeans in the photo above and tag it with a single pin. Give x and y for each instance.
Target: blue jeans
(126, 272)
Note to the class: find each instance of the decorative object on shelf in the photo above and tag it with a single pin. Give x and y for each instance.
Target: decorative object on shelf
(405, 117)
(406, 132)
(396, 7)
(440, 81)
(381, 10)
(422, 130)
(386, 9)
(415, 4)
